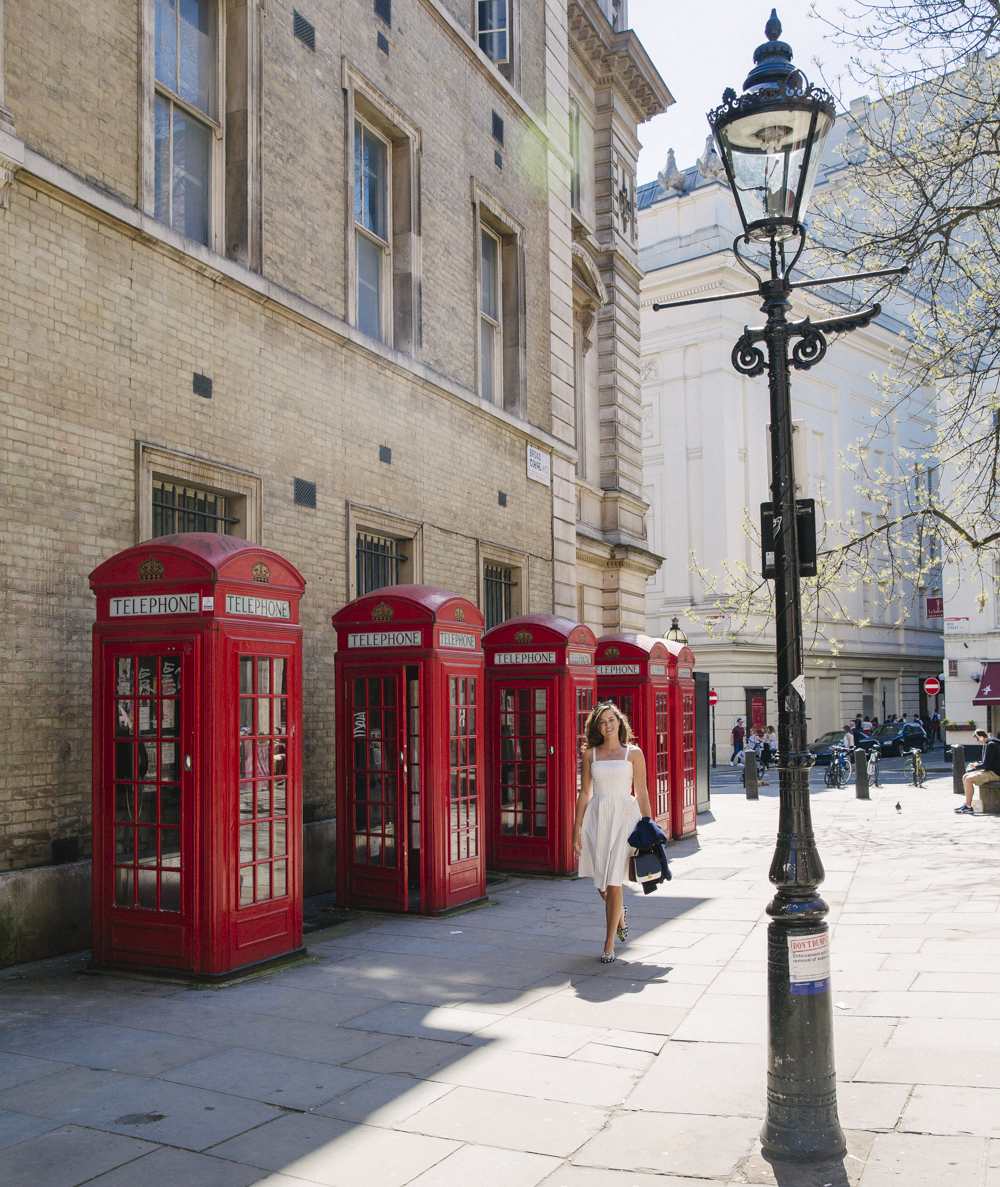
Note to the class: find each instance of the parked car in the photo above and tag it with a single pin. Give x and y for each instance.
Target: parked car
(821, 747)
(895, 737)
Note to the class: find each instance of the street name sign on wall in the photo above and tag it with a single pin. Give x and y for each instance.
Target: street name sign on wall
(539, 465)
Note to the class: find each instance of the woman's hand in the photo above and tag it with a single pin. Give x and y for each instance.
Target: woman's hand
(577, 842)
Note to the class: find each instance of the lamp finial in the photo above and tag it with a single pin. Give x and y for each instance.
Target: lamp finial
(772, 30)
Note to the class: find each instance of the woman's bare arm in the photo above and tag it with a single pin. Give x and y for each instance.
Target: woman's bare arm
(639, 781)
(582, 800)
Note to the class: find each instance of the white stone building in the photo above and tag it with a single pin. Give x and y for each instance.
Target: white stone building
(707, 457)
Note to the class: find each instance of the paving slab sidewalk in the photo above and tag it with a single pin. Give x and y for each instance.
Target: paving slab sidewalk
(492, 1048)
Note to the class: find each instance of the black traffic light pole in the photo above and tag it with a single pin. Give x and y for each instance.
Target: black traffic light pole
(801, 1121)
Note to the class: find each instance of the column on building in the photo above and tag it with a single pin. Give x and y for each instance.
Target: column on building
(613, 88)
(561, 345)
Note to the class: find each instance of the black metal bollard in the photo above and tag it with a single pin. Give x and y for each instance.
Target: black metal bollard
(957, 769)
(861, 774)
(750, 775)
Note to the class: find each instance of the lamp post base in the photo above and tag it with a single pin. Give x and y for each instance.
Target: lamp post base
(801, 1123)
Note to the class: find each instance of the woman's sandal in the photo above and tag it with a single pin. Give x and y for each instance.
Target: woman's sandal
(607, 958)
(623, 926)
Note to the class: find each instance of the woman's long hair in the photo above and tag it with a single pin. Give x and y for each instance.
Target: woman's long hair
(592, 731)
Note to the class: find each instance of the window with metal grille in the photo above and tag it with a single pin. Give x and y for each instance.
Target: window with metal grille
(378, 561)
(180, 508)
(498, 593)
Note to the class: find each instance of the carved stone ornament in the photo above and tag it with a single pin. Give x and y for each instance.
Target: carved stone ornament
(523, 637)
(382, 613)
(459, 614)
(260, 572)
(710, 163)
(670, 177)
(151, 569)
(612, 653)
(623, 192)
(8, 170)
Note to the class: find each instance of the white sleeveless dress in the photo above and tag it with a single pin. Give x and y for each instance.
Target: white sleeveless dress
(611, 815)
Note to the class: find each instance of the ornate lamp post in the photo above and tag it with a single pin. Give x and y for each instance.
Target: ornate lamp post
(771, 139)
(675, 634)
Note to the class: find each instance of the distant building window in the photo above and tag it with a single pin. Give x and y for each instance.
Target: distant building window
(576, 156)
(373, 235)
(615, 11)
(379, 561)
(181, 508)
(493, 29)
(186, 107)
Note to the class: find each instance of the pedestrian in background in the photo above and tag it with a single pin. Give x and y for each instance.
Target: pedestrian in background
(738, 734)
(985, 771)
(607, 812)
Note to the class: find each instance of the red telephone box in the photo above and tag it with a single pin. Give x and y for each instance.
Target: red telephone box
(633, 671)
(541, 689)
(197, 796)
(409, 673)
(681, 744)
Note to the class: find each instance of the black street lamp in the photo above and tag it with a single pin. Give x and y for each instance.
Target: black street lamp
(771, 139)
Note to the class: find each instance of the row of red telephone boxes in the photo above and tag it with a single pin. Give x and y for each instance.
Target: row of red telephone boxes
(455, 750)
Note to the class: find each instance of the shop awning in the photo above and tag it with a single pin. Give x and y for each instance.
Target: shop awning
(989, 686)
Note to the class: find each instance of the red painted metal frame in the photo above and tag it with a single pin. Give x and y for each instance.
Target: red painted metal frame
(557, 655)
(632, 670)
(434, 635)
(211, 935)
(683, 754)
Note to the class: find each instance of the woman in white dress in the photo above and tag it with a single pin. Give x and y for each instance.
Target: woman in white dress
(607, 811)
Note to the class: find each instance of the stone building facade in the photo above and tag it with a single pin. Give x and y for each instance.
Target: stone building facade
(264, 271)
(707, 467)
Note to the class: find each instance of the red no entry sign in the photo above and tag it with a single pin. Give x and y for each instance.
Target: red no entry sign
(713, 697)
(932, 686)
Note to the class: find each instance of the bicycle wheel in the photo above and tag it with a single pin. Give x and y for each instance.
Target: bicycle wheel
(829, 776)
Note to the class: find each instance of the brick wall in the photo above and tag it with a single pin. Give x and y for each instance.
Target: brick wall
(99, 338)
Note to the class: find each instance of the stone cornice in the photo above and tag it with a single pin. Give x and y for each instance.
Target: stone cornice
(619, 56)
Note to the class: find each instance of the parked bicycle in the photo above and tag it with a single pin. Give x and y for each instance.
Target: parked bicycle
(918, 772)
(839, 770)
(873, 767)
